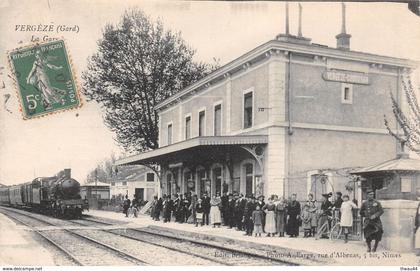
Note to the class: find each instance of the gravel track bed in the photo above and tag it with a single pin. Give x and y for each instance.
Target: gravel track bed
(103, 220)
(222, 256)
(149, 253)
(86, 252)
(60, 259)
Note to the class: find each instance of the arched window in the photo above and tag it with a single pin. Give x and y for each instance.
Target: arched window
(189, 182)
(203, 184)
(217, 180)
(169, 184)
(249, 179)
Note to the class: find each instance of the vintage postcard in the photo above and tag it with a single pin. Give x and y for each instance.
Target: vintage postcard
(209, 133)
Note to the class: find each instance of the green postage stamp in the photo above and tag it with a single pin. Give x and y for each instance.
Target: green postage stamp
(44, 79)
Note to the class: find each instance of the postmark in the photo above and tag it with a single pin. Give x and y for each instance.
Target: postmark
(44, 79)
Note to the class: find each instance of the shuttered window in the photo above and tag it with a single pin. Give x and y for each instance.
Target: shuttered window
(201, 123)
(248, 110)
(169, 134)
(218, 120)
(188, 127)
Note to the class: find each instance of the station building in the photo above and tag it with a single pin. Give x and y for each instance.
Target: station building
(290, 116)
(136, 182)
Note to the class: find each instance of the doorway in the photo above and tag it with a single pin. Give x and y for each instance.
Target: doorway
(217, 180)
(139, 194)
(249, 179)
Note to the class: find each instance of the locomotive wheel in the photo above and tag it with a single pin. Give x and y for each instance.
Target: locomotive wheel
(79, 212)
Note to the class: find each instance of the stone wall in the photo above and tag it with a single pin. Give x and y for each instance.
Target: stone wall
(398, 221)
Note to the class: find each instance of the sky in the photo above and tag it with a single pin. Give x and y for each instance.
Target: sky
(79, 139)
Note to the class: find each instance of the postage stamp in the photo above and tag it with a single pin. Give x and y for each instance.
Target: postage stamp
(44, 79)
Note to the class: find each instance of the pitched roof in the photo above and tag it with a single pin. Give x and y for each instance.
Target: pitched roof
(131, 173)
(96, 184)
(403, 163)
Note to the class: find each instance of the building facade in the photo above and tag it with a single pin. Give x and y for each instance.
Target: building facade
(135, 182)
(96, 190)
(290, 116)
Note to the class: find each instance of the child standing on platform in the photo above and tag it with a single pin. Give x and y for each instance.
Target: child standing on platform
(257, 217)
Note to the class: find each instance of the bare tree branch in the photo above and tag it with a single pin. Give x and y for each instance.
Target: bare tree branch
(408, 121)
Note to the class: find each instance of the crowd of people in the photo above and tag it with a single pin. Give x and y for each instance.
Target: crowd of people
(276, 217)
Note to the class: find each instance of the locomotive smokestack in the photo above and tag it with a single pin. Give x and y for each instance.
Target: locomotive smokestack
(64, 174)
(67, 173)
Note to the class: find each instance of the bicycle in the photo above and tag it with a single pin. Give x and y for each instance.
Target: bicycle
(336, 231)
(330, 228)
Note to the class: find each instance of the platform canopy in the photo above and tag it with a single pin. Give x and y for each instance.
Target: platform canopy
(193, 147)
(93, 184)
(402, 163)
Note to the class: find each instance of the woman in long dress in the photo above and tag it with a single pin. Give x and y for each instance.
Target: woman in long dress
(293, 216)
(270, 221)
(215, 215)
(346, 221)
(280, 216)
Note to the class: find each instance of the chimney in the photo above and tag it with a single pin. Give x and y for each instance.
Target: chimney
(287, 37)
(300, 22)
(287, 19)
(343, 39)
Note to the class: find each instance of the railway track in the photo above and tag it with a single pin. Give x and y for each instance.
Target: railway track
(79, 248)
(143, 245)
(216, 253)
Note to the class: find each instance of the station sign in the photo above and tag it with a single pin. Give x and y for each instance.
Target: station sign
(340, 76)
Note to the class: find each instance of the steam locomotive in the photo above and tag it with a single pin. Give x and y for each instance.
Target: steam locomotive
(58, 196)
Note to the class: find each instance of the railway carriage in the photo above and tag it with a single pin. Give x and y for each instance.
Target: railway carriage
(15, 194)
(26, 194)
(4, 196)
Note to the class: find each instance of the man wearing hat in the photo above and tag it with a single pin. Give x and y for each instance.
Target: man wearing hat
(371, 210)
(249, 209)
(224, 209)
(230, 209)
(239, 212)
(338, 201)
(206, 209)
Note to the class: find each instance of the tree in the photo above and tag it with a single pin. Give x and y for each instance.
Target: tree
(138, 64)
(409, 121)
(103, 172)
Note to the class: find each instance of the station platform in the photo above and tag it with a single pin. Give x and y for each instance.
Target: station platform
(322, 251)
(18, 248)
